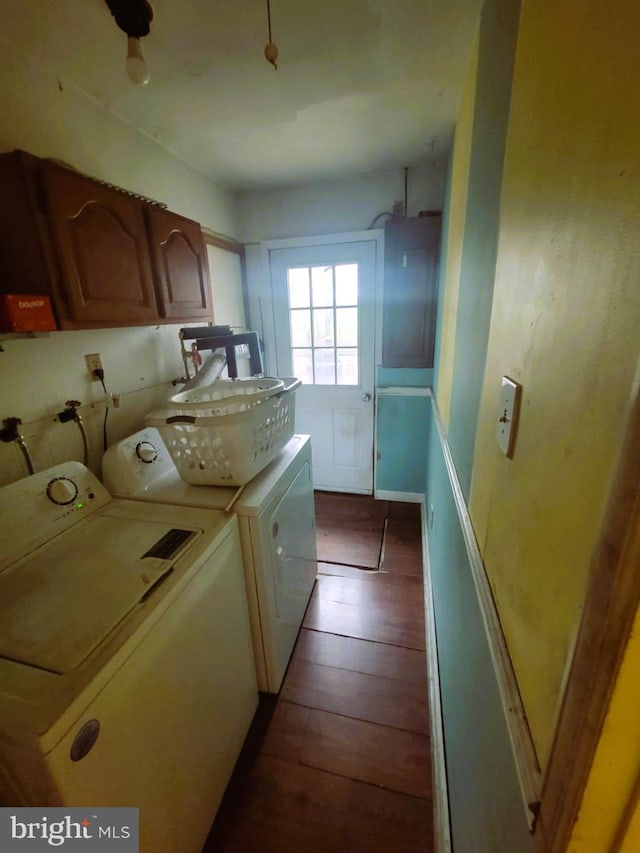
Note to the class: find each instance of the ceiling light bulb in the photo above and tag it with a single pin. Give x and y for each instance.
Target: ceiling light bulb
(137, 68)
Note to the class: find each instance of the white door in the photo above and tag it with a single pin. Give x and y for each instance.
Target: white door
(324, 319)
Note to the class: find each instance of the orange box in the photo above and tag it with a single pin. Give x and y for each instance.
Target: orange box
(24, 312)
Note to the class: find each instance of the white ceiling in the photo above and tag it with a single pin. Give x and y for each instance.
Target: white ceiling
(361, 85)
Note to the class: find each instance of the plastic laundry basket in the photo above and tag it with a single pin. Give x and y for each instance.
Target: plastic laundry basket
(226, 433)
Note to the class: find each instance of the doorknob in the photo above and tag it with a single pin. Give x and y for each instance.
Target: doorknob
(366, 397)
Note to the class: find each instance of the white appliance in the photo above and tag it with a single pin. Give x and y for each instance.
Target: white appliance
(126, 662)
(277, 532)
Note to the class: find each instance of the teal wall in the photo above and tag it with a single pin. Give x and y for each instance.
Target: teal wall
(401, 448)
(496, 52)
(401, 443)
(486, 808)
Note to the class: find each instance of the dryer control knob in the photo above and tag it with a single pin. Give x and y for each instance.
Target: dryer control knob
(146, 452)
(62, 491)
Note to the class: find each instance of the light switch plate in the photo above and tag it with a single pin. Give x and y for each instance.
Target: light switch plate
(508, 412)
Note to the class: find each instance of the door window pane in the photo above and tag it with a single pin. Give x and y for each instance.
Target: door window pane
(324, 361)
(298, 279)
(302, 365)
(347, 327)
(323, 332)
(346, 284)
(323, 319)
(322, 286)
(301, 328)
(347, 366)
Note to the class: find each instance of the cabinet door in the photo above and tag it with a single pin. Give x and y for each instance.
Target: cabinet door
(180, 266)
(24, 264)
(102, 245)
(411, 249)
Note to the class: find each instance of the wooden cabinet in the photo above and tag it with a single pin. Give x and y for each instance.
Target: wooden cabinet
(101, 238)
(106, 257)
(180, 266)
(27, 261)
(411, 252)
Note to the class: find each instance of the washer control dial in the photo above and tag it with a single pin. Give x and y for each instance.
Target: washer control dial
(146, 452)
(62, 491)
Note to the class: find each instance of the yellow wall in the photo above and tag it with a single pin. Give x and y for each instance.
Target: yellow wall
(565, 321)
(616, 765)
(454, 240)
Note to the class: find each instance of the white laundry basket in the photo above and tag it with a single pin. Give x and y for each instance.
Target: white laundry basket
(226, 433)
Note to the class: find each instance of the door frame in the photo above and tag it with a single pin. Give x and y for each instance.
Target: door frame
(609, 610)
(261, 292)
(212, 239)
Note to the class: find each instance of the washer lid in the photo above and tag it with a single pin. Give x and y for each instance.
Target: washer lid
(60, 603)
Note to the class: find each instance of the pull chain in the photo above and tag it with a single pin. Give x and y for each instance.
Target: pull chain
(270, 51)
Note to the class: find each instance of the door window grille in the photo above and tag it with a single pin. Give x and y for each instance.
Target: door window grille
(323, 318)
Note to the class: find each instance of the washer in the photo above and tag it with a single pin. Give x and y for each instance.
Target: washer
(277, 532)
(126, 661)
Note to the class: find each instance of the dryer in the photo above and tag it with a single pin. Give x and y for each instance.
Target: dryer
(126, 660)
(276, 519)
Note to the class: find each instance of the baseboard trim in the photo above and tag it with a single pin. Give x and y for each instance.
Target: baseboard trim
(441, 820)
(403, 497)
(343, 490)
(525, 757)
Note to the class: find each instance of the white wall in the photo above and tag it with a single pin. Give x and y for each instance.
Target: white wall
(50, 118)
(228, 302)
(337, 207)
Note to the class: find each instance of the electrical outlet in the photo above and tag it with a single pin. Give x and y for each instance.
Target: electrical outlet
(93, 362)
(398, 208)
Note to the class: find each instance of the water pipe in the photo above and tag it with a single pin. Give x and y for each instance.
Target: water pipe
(10, 432)
(71, 413)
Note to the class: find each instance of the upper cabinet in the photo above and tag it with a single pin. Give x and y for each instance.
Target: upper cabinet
(106, 257)
(411, 253)
(101, 238)
(180, 266)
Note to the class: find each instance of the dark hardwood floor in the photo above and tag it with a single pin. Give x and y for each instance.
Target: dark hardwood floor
(340, 760)
(350, 529)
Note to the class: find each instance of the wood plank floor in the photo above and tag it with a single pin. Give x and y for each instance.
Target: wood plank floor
(340, 760)
(350, 529)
